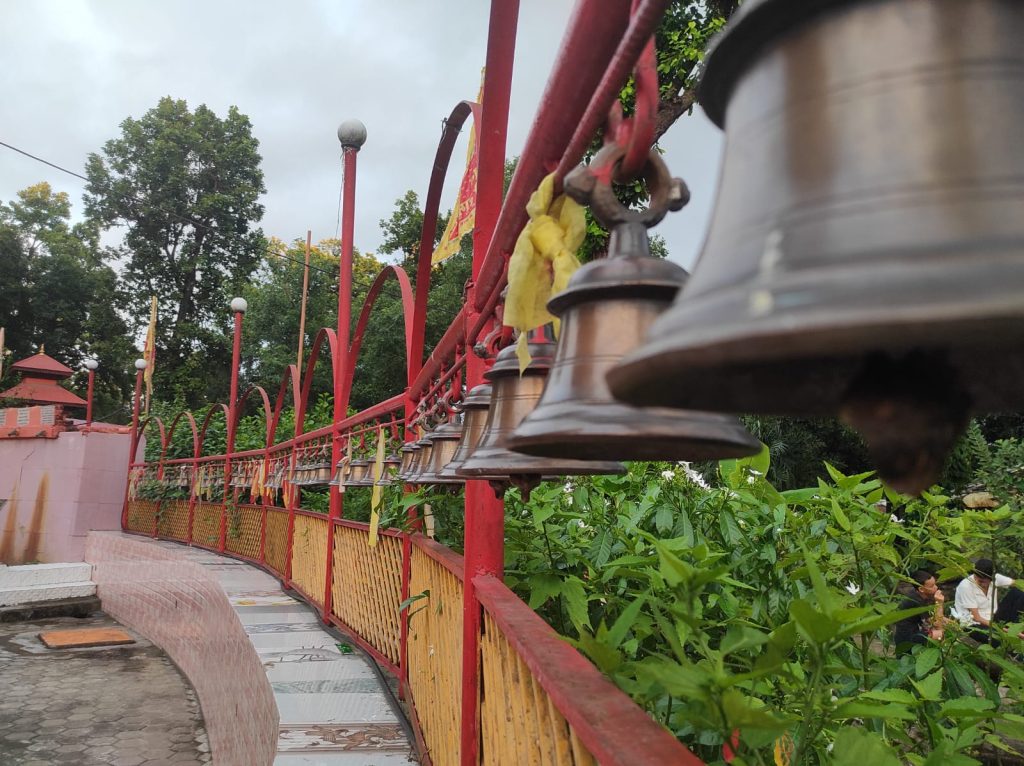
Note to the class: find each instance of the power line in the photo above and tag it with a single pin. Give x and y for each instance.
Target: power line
(168, 213)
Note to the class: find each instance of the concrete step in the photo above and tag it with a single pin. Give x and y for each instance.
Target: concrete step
(28, 575)
(31, 594)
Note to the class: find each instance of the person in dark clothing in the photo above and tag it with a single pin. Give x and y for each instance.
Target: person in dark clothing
(1010, 606)
(918, 628)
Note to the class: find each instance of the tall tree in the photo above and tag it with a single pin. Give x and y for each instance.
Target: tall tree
(58, 292)
(186, 185)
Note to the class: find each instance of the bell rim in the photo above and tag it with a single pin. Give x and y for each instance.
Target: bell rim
(606, 426)
(476, 466)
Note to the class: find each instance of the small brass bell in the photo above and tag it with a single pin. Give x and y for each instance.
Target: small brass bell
(421, 462)
(444, 442)
(357, 475)
(388, 471)
(408, 453)
(513, 397)
(865, 257)
(474, 418)
(605, 310)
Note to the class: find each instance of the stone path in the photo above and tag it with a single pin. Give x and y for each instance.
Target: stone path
(125, 705)
(334, 710)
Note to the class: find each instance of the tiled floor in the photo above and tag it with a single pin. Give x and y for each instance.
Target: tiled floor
(334, 710)
(124, 705)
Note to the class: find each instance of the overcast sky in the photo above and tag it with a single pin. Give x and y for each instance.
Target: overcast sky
(72, 70)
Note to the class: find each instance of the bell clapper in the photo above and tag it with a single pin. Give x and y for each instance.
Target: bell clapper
(910, 411)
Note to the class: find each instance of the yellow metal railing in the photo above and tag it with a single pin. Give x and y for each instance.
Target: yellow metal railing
(141, 516)
(309, 556)
(435, 648)
(244, 530)
(206, 524)
(519, 723)
(173, 521)
(367, 588)
(276, 544)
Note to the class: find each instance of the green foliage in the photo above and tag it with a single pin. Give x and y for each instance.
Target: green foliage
(57, 291)
(1003, 472)
(739, 607)
(186, 186)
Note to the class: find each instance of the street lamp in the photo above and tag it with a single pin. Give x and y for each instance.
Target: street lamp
(90, 365)
(238, 307)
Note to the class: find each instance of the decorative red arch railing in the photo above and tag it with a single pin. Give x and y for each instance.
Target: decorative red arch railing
(487, 680)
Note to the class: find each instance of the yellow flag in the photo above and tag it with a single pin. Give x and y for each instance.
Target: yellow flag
(197, 481)
(378, 469)
(149, 352)
(543, 261)
(1, 352)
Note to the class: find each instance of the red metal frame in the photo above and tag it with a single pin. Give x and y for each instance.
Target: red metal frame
(602, 44)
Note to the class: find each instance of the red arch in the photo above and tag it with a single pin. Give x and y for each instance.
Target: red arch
(307, 379)
(408, 315)
(170, 434)
(163, 432)
(291, 375)
(206, 423)
(266, 411)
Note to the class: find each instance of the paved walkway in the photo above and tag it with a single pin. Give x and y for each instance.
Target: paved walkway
(334, 710)
(125, 705)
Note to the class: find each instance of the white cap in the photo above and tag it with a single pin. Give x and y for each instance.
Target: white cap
(141, 364)
(352, 134)
(239, 305)
(91, 364)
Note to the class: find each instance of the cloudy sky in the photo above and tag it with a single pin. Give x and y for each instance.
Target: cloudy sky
(72, 70)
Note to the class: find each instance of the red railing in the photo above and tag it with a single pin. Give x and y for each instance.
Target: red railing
(487, 680)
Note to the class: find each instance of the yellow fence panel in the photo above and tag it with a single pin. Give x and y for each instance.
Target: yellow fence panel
(518, 721)
(367, 587)
(141, 515)
(244, 530)
(309, 556)
(435, 651)
(276, 546)
(206, 524)
(173, 520)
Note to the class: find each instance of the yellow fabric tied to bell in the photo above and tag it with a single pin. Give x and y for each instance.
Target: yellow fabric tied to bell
(543, 261)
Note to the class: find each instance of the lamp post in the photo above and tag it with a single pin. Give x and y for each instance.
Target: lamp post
(238, 307)
(90, 365)
(140, 368)
(352, 135)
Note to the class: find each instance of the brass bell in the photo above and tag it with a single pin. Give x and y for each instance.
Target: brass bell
(605, 310)
(444, 441)
(421, 461)
(513, 397)
(388, 471)
(408, 453)
(357, 473)
(866, 257)
(474, 417)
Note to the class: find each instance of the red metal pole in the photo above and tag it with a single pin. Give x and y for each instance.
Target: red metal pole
(352, 135)
(88, 395)
(140, 366)
(238, 306)
(485, 514)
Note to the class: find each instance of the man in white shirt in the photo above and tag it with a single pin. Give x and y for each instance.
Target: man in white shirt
(976, 598)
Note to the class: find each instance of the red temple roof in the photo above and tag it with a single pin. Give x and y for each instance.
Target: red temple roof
(42, 391)
(42, 366)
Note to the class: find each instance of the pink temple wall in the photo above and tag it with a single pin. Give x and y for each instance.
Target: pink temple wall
(54, 491)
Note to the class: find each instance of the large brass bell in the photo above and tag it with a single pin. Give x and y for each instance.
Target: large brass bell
(605, 310)
(406, 453)
(866, 254)
(444, 441)
(513, 396)
(474, 417)
(388, 471)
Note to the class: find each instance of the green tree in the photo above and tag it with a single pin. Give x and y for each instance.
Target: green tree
(186, 185)
(58, 292)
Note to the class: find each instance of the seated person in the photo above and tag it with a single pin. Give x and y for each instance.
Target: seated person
(918, 628)
(977, 600)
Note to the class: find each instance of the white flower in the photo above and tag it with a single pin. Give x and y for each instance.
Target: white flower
(896, 519)
(830, 746)
(742, 523)
(567, 489)
(693, 476)
(751, 479)
(668, 474)
(853, 588)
